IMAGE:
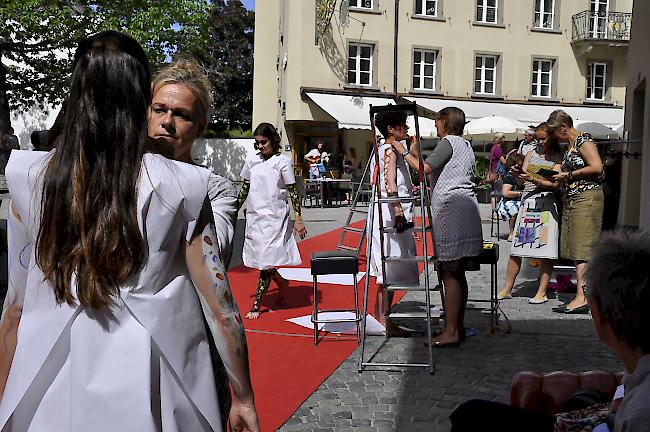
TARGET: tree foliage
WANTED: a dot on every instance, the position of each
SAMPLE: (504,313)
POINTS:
(228,59)
(39,36)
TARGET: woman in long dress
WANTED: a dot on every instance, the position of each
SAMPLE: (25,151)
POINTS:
(456,219)
(112,256)
(394,181)
(269,183)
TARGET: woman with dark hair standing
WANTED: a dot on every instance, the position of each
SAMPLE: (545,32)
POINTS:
(113,254)
(456,219)
(269,182)
(582,209)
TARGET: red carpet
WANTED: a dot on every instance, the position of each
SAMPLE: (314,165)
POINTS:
(287,369)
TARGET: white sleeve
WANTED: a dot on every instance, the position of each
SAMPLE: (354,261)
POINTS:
(246,170)
(286,170)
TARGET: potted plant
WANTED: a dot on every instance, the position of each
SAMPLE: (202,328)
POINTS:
(482,189)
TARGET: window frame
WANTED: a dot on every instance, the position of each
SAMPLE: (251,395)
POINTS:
(552,78)
(359,5)
(483,4)
(496,76)
(540,11)
(606,80)
(419,13)
(436,69)
(358,58)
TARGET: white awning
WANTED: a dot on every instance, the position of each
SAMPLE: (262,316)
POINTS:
(350,112)
(528,114)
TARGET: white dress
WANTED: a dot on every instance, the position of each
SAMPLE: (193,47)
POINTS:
(269,240)
(395,244)
(142,364)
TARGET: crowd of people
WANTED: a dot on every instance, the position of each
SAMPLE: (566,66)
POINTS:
(553,202)
(119,243)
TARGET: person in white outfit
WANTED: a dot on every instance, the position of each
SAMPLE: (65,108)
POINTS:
(114,268)
(269,183)
(394,181)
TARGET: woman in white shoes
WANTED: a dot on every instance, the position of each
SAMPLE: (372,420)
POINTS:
(531,239)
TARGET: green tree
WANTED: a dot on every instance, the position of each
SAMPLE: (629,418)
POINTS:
(228,59)
(39,36)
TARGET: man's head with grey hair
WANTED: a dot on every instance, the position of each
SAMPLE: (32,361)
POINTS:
(618,288)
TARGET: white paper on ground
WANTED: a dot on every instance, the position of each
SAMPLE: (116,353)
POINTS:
(304,275)
(373,327)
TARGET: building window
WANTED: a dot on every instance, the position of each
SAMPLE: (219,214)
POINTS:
(598,19)
(424,69)
(426,7)
(485,75)
(596,81)
(360,64)
(486,11)
(362,4)
(544,14)
(542,81)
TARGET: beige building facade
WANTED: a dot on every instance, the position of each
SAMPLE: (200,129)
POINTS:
(495,57)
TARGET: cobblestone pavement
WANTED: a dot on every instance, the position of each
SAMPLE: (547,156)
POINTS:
(414,400)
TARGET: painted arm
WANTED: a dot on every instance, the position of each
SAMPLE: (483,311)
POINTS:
(243,193)
(390,183)
(294,195)
(19,257)
(209,276)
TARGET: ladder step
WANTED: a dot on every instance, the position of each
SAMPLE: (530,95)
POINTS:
(354,230)
(346,247)
(418,258)
(389,230)
(398,199)
(358,210)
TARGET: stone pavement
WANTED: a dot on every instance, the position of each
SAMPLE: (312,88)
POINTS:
(413,400)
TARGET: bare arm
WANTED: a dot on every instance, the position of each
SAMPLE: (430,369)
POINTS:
(594,167)
(507,192)
(544,183)
(209,276)
(19,247)
(413,159)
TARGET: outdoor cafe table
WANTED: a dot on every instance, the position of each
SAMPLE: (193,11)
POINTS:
(324,184)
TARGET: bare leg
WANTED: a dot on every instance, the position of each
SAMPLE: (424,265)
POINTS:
(545,269)
(379,310)
(454,307)
(579,299)
(511,223)
(282,283)
(514,265)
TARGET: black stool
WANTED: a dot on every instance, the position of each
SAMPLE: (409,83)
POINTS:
(335,262)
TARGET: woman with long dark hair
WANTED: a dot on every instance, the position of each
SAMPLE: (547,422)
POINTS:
(269,183)
(113,255)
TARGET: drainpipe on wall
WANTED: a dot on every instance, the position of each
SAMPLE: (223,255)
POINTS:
(395,37)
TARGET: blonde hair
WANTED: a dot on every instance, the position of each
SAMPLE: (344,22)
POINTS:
(499,135)
(557,119)
(189,73)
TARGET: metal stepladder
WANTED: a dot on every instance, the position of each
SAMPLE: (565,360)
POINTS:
(348,229)
(375,211)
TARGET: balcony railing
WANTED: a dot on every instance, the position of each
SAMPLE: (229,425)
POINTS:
(612,26)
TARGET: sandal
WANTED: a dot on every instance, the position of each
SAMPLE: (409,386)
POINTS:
(254,310)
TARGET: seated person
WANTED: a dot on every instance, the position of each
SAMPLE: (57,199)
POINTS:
(512,191)
(315,158)
(618,281)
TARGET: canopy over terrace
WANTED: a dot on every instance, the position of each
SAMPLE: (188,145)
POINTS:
(353,111)
(529,114)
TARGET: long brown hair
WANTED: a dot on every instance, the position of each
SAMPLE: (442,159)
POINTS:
(89,228)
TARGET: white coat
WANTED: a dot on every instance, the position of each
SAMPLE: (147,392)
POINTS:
(269,240)
(142,364)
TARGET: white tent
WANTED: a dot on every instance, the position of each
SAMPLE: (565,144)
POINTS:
(596,130)
(484,128)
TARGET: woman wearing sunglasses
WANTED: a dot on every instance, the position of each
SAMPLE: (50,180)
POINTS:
(269,183)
